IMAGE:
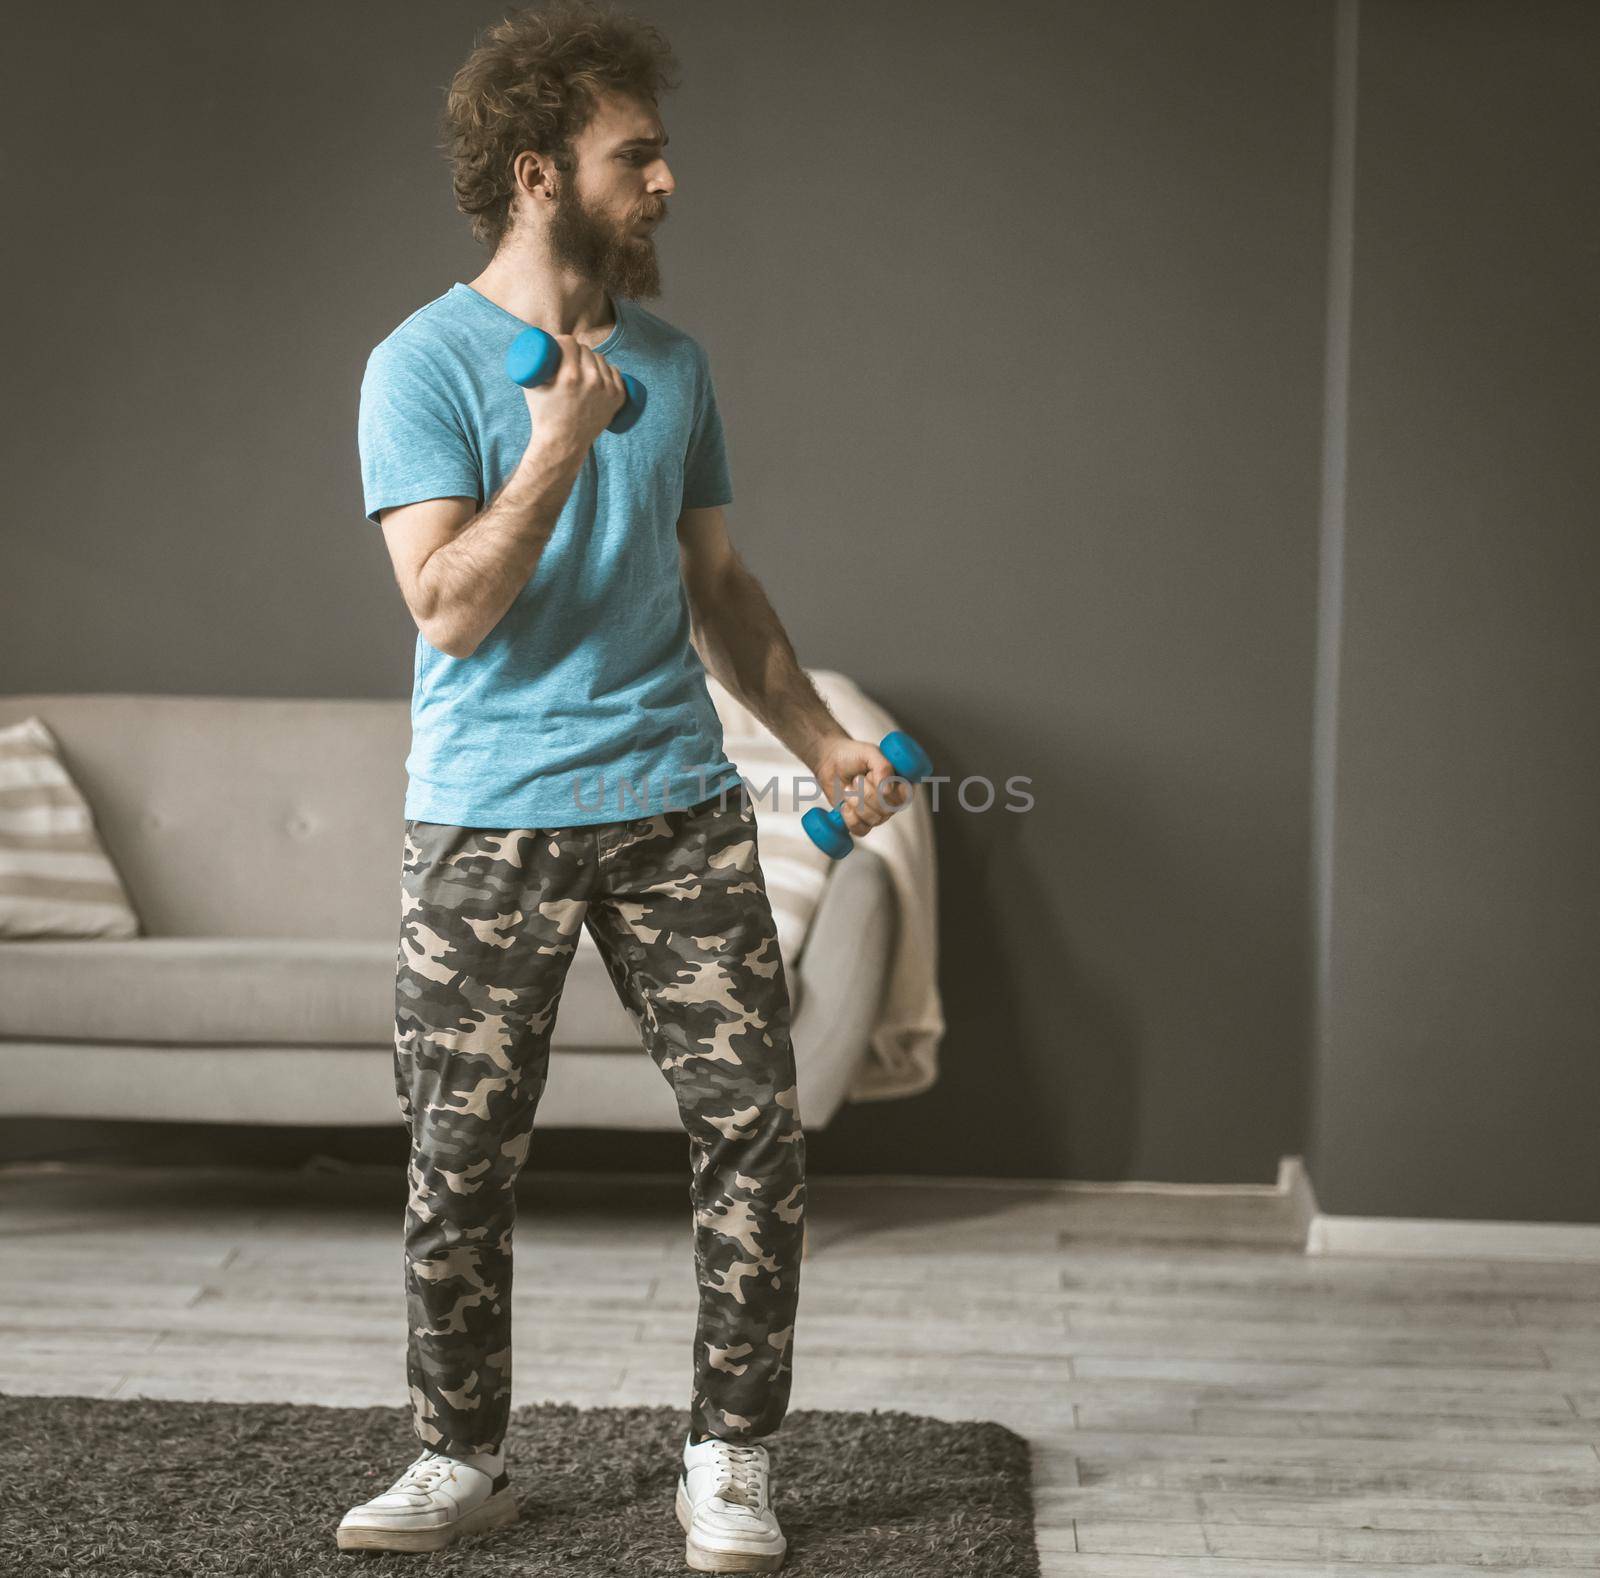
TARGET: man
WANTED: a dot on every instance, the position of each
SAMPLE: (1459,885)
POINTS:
(570,587)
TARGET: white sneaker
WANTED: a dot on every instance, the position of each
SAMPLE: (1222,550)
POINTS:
(436,1500)
(724,1503)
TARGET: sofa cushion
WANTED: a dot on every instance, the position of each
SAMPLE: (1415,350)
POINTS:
(56,879)
(281,991)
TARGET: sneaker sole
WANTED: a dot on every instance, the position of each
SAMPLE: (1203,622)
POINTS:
(499,1510)
(705,1560)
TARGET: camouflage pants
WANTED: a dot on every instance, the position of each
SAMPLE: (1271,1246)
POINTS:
(677,907)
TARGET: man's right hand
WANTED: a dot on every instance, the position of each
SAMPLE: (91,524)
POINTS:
(571,410)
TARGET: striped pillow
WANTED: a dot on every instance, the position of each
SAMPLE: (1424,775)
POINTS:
(56,879)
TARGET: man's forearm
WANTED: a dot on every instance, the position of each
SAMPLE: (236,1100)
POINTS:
(742,642)
(474,578)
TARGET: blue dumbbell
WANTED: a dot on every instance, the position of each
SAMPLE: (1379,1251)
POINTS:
(826,828)
(534,356)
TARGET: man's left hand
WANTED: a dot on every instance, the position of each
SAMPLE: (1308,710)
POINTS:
(851,774)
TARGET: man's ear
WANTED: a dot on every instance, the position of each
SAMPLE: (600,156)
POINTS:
(534,175)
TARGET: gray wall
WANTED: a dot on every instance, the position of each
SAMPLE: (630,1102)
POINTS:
(1458,1074)
(1018,317)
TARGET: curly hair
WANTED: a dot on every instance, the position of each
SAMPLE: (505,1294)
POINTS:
(533,82)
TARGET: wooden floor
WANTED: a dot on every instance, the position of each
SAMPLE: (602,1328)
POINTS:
(1201,1398)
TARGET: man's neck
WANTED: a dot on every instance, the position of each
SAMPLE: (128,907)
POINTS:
(557,303)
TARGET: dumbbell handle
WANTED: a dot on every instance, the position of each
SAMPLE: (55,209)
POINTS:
(533,358)
(826,828)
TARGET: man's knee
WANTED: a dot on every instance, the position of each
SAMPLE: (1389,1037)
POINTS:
(757,1122)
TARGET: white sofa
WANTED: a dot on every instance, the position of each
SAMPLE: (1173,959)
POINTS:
(260,844)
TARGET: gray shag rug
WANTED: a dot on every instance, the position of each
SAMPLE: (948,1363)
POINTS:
(141,1487)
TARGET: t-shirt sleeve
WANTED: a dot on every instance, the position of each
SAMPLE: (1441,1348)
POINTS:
(411,442)
(706,479)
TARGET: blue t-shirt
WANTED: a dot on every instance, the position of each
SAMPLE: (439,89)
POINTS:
(586,703)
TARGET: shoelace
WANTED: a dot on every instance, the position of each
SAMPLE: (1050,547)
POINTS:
(738,1472)
(425,1474)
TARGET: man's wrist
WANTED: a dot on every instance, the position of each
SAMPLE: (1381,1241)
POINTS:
(545,464)
(816,742)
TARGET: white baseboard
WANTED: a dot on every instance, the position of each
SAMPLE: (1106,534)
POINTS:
(1289,1214)
(1446,1238)
(1437,1238)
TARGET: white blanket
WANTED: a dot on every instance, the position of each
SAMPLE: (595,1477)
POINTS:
(905,1040)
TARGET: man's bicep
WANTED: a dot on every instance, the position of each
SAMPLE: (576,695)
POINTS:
(413,445)
(707,479)
(413,533)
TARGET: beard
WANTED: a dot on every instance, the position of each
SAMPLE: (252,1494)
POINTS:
(618,257)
